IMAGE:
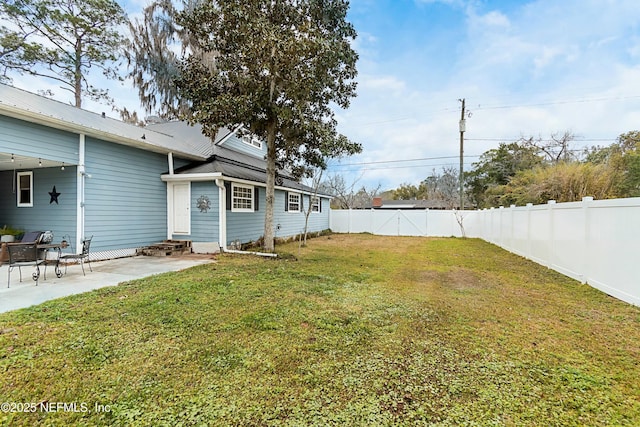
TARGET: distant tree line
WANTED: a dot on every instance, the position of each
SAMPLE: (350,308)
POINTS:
(529,171)
(516,173)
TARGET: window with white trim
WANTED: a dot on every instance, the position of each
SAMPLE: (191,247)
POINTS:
(242,198)
(252,140)
(25,189)
(293,202)
(315,204)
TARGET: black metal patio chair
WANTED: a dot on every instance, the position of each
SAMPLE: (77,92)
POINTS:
(81,257)
(24,255)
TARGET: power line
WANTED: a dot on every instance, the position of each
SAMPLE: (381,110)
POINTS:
(400,167)
(399,161)
(498,107)
(544,140)
(574,101)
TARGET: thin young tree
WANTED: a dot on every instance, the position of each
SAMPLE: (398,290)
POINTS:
(316,179)
(63,40)
(280,66)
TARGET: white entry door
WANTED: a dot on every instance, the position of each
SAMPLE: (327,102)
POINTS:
(181,208)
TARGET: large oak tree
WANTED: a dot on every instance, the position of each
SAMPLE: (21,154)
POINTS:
(280,66)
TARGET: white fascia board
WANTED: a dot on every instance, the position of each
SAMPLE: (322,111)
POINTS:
(229,135)
(192,177)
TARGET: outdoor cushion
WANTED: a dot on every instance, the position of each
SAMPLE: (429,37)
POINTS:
(31,237)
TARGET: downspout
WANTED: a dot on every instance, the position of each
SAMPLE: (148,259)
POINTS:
(170,160)
(80,184)
(222,220)
(265,254)
(169,187)
(222,214)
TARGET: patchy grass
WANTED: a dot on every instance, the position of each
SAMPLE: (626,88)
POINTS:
(360,330)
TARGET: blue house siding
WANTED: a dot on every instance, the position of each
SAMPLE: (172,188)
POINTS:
(125,199)
(235,143)
(292,223)
(44,215)
(204,225)
(249,226)
(29,139)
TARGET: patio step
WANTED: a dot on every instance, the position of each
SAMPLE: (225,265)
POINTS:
(167,248)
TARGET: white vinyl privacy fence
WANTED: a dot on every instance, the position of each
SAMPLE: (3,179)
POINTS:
(395,222)
(595,242)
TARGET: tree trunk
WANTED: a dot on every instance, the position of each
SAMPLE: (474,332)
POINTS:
(271,184)
(77,83)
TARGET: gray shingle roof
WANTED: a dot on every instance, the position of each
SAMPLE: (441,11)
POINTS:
(234,164)
(230,163)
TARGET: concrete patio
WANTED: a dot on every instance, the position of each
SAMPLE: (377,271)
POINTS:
(105,273)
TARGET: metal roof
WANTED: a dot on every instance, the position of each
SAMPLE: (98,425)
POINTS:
(34,108)
(191,135)
(175,137)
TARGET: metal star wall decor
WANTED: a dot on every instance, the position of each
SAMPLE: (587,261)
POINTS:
(54,195)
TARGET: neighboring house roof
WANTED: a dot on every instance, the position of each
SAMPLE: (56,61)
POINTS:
(410,204)
(34,108)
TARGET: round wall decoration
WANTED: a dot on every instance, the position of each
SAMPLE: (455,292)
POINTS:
(204,204)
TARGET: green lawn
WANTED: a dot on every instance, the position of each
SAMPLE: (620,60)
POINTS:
(359,330)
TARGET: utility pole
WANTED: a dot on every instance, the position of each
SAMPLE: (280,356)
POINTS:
(462,130)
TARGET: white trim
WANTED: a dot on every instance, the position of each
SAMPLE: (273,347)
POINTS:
(169,188)
(251,140)
(80,184)
(170,161)
(311,204)
(251,188)
(222,214)
(299,202)
(229,135)
(191,177)
(172,228)
(29,204)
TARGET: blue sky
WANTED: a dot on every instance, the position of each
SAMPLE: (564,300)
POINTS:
(525,68)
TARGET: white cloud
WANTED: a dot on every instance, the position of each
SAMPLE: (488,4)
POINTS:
(552,66)
(491,21)
(382,84)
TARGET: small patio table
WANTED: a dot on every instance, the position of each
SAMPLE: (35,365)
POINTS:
(50,247)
